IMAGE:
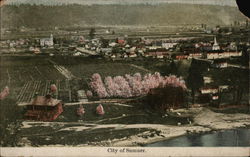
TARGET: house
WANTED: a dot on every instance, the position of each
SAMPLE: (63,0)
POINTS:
(223,87)
(81,95)
(168,45)
(190,49)
(127,46)
(195,55)
(206,47)
(77,53)
(209,90)
(220,63)
(36,50)
(47,41)
(157,54)
(212,55)
(106,50)
(132,50)
(153,47)
(132,55)
(215,97)
(207,80)
(113,44)
(234,54)
(43,108)
(181,57)
(121,41)
(220,54)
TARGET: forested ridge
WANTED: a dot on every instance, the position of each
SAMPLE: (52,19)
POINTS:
(35,16)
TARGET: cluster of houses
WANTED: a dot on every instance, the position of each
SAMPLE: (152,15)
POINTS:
(209,51)
(155,48)
(26,45)
(212,92)
(124,47)
(13,46)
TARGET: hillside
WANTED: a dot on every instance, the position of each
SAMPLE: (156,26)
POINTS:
(141,14)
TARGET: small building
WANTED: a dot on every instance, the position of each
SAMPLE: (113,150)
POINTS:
(207,80)
(215,97)
(221,54)
(81,96)
(36,50)
(43,108)
(132,55)
(213,55)
(77,54)
(168,45)
(209,90)
(121,41)
(224,88)
(220,65)
(181,57)
(47,41)
(157,54)
(195,55)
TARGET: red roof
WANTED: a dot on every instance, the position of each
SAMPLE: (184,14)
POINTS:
(43,101)
(182,57)
(120,41)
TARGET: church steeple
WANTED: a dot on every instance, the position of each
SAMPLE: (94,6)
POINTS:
(215,41)
(51,40)
(215,45)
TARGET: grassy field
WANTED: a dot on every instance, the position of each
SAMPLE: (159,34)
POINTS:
(35,74)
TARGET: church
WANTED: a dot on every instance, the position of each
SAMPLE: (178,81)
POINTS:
(47,41)
(215,45)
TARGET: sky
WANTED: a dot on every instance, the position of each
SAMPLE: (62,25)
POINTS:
(91,2)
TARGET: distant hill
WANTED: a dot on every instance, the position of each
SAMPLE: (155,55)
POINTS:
(40,16)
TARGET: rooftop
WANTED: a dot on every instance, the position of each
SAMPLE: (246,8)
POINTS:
(43,101)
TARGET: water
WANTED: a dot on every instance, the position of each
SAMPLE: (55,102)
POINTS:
(227,138)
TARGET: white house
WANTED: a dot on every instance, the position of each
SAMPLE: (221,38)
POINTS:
(168,45)
(209,90)
(77,53)
(207,79)
(47,41)
(216,55)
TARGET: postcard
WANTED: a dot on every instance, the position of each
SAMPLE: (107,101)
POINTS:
(124,78)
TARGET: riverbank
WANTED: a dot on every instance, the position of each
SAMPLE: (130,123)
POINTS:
(204,120)
(127,130)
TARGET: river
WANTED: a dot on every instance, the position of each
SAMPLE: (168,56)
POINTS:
(225,138)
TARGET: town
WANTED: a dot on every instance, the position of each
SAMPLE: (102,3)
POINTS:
(200,46)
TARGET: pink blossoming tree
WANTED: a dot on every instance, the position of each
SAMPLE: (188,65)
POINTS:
(132,86)
(97,86)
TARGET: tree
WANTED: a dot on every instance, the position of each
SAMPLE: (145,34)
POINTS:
(92,33)
(135,83)
(195,79)
(104,42)
(123,87)
(166,97)
(173,68)
(132,86)
(97,86)
(89,93)
(237,79)
(100,110)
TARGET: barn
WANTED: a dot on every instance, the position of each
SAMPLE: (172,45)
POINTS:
(43,108)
